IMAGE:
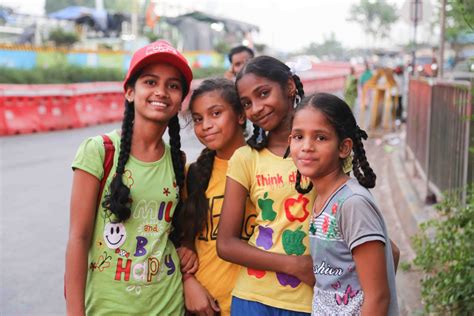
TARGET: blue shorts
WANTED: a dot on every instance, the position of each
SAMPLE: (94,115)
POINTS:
(242,307)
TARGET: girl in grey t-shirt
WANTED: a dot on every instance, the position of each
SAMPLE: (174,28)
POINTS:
(350,248)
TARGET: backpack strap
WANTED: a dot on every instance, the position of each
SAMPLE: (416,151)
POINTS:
(108,163)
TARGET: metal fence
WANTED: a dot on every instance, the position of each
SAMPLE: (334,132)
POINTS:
(440,133)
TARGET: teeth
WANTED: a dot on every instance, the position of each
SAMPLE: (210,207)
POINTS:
(158,104)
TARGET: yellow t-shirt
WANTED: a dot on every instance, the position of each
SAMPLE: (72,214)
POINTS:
(281,226)
(216,275)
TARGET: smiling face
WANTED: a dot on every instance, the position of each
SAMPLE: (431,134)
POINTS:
(315,146)
(114,235)
(157,93)
(216,124)
(265,102)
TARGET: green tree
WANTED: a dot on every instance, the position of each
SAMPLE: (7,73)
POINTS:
(330,48)
(375,16)
(110,5)
(63,38)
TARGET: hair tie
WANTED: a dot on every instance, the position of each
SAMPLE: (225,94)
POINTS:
(361,133)
(299,65)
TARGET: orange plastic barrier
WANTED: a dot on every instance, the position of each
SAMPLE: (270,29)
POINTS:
(40,108)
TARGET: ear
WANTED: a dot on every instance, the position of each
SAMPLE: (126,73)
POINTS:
(291,87)
(130,94)
(242,118)
(345,148)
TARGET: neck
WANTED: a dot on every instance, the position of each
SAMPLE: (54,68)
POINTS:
(327,184)
(147,137)
(227,151)
(278,138)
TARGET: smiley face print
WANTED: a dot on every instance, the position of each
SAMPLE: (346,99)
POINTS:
(114,235)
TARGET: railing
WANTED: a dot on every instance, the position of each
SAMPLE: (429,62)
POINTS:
(440,134)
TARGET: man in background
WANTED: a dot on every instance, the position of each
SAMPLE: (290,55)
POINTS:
(238,56)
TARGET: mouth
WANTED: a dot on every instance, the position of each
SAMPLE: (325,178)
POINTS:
(263,118)
(306,160)
(158,104)
(113,244)
(209,137)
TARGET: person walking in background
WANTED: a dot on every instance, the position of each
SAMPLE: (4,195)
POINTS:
(352,255)
(366,75)
(350,88)
(219,123)
(119,258)
(238,56)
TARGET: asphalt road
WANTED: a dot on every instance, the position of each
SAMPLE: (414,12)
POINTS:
(35,177)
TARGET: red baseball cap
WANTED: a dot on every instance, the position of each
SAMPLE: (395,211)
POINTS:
(159,52)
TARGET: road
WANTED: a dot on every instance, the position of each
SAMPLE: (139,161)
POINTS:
(35,178)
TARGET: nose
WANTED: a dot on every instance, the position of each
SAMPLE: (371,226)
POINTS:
(160,90)
(307,145)
(206,124)
(256,109)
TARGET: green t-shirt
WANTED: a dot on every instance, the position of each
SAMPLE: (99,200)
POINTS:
(133,267)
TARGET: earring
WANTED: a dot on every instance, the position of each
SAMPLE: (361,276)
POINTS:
(296,100)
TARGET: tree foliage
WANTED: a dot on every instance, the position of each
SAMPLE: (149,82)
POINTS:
(63,38)
(459,18)
(330,48)
(375,17)
(445,253)
(110,5)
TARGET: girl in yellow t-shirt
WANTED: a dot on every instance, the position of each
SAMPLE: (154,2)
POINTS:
(219,124)
(277,276)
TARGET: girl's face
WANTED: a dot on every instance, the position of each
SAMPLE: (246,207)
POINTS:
(216,124)
(315,146)
(264,101)
(157,93)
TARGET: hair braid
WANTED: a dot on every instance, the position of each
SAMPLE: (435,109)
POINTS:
(196,208)
(258,140)
(298,184)
(299,85)
(117,200)
(367,177)
(176,154)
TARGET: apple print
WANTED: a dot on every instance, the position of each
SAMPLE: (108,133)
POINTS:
(293,241)
(286,279)
(257,273)
(290,203)
(264,238)
(266,205)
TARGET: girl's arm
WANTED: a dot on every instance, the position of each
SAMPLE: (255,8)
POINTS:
(371,268)
(395,254)
(85,188)
(231,248)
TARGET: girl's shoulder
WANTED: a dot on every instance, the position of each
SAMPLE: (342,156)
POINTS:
(244,153)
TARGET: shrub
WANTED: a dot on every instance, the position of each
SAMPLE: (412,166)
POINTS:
(63,38)
(445,253)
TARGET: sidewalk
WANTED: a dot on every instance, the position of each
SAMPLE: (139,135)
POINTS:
(400,196)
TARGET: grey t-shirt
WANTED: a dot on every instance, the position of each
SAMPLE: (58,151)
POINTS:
(349,218)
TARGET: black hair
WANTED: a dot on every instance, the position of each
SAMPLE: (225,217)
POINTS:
(117,201)
(195,210)
(240,49)
(340,116)
(276,71)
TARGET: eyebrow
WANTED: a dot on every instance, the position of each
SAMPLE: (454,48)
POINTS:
(157,76)
(212,107)
(312,131)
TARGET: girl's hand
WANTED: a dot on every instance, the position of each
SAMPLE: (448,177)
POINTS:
(303,269)
(188,260)
(197,299)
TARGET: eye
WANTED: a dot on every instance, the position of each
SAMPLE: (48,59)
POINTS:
(174,86)
(264,93)
(197,119)
(320,138)
(111,230)
(246,104)
(297,136)
(150,82)
(216,113)
(117,229)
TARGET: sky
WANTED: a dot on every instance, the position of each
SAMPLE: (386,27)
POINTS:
(288,25)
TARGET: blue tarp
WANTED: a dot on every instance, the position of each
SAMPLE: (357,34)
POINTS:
(75,13)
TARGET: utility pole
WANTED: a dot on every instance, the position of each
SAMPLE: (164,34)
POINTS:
(441,40)
(415,10)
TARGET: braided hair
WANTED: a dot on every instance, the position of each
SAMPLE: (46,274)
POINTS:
(274,70)
(340,116)
(117,201)
(195,210)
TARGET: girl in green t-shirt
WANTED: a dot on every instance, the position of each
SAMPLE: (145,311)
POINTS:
(119,258)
